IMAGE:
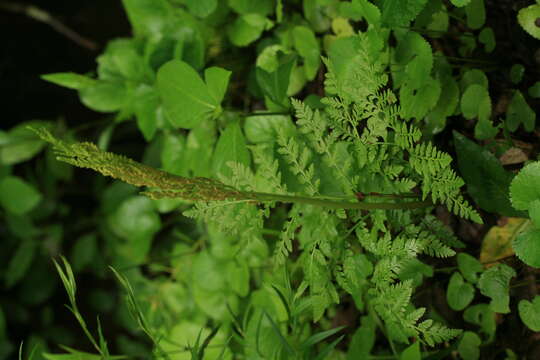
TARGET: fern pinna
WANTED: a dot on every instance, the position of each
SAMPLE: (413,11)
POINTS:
(356,144)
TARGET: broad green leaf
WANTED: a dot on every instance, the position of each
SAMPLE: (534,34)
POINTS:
(534,212)
(416,103)
(411,353)
(104,96)
(244,7)
(527,18)
(487,181)
(469,346)
(173,154)
(460,3)
(469,266)
(487,37)
(476,14)
(534,91)
(238,277)
(217,80)
(208,274)
(264,129)
(147,17)
(70,80)
(446,105)
(529,312)
(471,100)
(122,61)
(199,149)
(460,293)
(497,244)
(17,196)
(519,112)
(415,54)
(20,144)
(186,99)
(201,8)
(527,247)
(473,76)
(516,73)
(307,46)
(83,252)
(483,316)
(275,84)
(231,146)
(396,14)
(524,188)
(494,283)
(20,262)
(146,107)
(363,339)
(247,28)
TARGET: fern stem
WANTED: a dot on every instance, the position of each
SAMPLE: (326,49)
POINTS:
(339,204)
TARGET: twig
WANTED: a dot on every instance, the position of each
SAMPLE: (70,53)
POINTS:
(44,17)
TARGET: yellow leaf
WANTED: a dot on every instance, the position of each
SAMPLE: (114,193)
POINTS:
(497,243)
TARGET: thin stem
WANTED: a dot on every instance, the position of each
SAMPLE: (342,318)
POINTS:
(41,15)
(340,204)
(265,113)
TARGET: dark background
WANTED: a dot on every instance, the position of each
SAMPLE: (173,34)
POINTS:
(29,48)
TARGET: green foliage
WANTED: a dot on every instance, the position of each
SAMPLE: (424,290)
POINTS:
(529,312)
(527,19)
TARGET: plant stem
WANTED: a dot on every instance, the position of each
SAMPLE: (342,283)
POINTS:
(340,204)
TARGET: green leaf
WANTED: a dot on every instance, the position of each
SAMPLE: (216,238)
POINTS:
(247,28)
(217,80)
(147,17)
(146,107)
(415,54)
(20,262)
(483,316)
(469,346)
(208,273)
(519,112)
(534,212)
(201,8)
(487,181)
(516,73)
(476,14)
(411,353)
(70,80)
(173,154)
(199,149)
(186,99)
(104,96)
(17,196)
(446,105)
(363,339)
(231,146)
(307,46)
(415,103)
(238,277)
(469,266)
(527,19)
(83,252)
(474,76)
(534,91)
(20,144)
(524,188)
(400,13)
(527,247)
(460,3)
(471,99)
(264,129)
(460,293)
(261,7)
(487,37)
(529,312)
(494,283)
(275,84)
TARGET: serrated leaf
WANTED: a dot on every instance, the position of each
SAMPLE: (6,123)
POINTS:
(460,293)
(201,8)
(400,13)
(187,100)
(487,181)
(527,19)
(524,187)
(527,247)
(529,312)
(494,283)
(18,196)
(231,146)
